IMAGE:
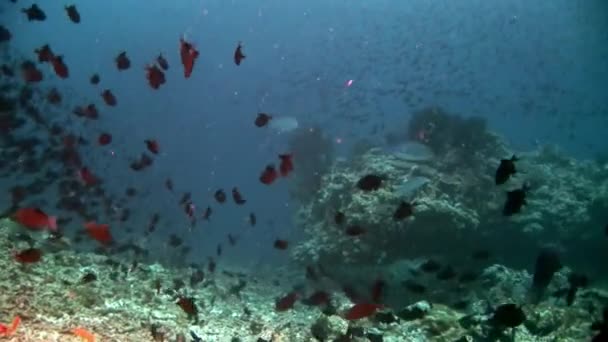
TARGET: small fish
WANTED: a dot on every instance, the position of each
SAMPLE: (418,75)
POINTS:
(169,184)
(430,266)
(467,277)
(606,230)
(7,71)
(405,210)
(318,298)
(281,244)
(28,256)
(6,330)
(30,73)
(188,55)
(5,34)
(195,337)
(155,76)
(238,54)
(218,250)
(414,286)
(187,304)
(99,232)
(61,69)
(285,303)
(252,219)
(162,62)
(286,166)
(505,170)
(220,196)
(89,277)
(54,96)
(86,176)
(508,316)
(34,218)
(104,139)
(339,218)
(237,197)
(152,146)
(122,61)
(354,230)
(109,98)
(94,79)
(516,199)
(262,119)
(361,310)
(370,182)
(269,175)
(34,13)
(73,13)
(547,263)
(207,214)
(45,54)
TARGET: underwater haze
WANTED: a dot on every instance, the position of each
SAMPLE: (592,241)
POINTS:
(421,170)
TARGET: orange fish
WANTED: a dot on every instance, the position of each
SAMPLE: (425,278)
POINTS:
(28,256)
(361,310)
(286,165)
(34,218)
(6,330)
(108,97)
(59,66)
(84,334)
(99,232)
(188,56)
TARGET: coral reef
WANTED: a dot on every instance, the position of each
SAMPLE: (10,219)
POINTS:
(457,203)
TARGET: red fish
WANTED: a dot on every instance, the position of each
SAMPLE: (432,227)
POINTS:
(28,256)
(286,165)
(269,175)
(155,76)
(262,119)
(188,56)
(238,54)
(122,61)
(287,302)
(237,197)
(5,330)
(318,298)
(281,244)
(44,54)
(99,232)
(87,176)
(54,96)
(361,310)
(104,139)
(30,73)
(152,146)
(61,69)
(34,218)
(108,97)
(162,62)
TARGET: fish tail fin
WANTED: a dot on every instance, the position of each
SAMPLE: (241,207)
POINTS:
(52,223)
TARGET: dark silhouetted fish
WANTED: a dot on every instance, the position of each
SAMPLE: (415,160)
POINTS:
(516,199)
(505,170)
(508,316)
(370,182)
(547,263)
(34,13)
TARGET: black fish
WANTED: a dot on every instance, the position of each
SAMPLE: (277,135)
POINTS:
(606,230)
(430,266)
(73,13)
(601,327)
(446,273)
(238,54)
(508,316)
(414,286)
(547,263)
(220,196)
(339,218)
(5,34)
(34,13)
(88,278)
(576,282)
(195,337)
(370,182)
(162,62)
(480,255)
(505,170)
(252,219)
(516,199)
(405,210)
